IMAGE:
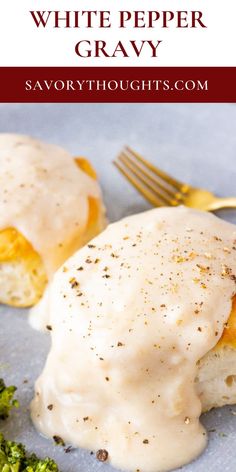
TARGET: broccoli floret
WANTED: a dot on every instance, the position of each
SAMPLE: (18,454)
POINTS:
(7,402)
(11,455)
(38,465)
(13,458)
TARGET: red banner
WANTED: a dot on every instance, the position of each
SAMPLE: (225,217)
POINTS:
(118,84)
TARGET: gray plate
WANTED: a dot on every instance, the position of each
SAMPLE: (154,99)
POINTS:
(196,143)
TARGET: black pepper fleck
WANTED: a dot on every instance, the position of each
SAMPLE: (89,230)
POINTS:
(68,449)
(102,455)
(58,440)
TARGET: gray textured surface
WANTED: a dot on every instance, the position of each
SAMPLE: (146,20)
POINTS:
(196,143)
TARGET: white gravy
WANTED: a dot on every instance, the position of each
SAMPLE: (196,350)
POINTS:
(131,314)
(44,195)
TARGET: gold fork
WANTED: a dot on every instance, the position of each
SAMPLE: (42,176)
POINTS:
(160,189)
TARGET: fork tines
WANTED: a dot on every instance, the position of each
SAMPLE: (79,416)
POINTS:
(155,185)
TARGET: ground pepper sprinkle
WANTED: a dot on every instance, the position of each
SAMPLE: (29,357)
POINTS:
(102,455)
(58,441)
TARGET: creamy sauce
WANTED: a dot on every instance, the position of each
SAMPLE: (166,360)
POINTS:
(131,314)
(44,195)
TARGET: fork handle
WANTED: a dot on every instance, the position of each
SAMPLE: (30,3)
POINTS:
(220,203)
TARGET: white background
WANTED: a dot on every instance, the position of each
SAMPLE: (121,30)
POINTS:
(22,44)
